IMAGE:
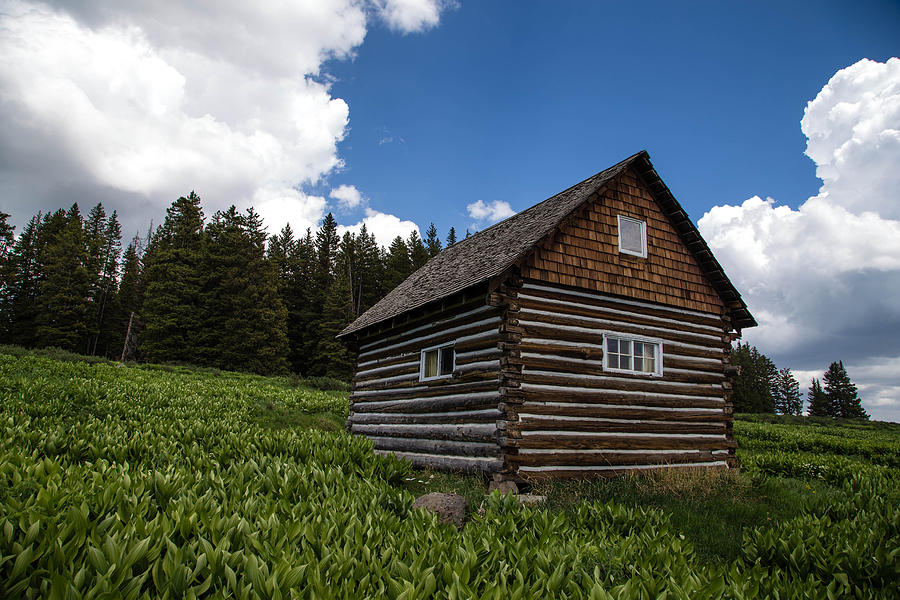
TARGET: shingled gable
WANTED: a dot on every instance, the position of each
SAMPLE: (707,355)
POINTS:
(491,252)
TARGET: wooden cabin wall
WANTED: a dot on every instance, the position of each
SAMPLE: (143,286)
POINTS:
(574,419)
(444,423)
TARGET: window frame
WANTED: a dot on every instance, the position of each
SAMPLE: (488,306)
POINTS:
(628,337)
(439,348)
(643,224)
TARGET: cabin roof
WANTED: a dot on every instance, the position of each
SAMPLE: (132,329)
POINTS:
(492,251)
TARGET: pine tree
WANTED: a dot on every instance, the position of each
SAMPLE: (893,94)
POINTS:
(369,284)
(418,254)
(21,286)
(104,296)
(125,322)
(7,241)
(333,357)
(173,281)
(451,237)
(841,393)
(298,299)
(753,387)
(819,404)
(64,289)
(786,394)
(244,320)
(432,241)
(7,238)
(397,264)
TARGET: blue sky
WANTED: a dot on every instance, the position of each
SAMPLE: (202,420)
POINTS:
(775,124)
(517,101)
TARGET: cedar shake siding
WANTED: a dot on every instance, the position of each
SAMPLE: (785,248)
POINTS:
(555,345)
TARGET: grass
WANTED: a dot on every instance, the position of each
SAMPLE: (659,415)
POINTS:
(274,416)
(709,508)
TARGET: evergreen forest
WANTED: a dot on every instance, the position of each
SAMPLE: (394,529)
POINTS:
(214,292)
(222,293)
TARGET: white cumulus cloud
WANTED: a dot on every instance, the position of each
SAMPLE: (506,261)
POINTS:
(348,197)
(823,280)
(385,227)
(488,213)
(137,103)
(408,16)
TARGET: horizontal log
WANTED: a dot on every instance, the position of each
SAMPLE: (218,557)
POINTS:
(438,403)
(623,412)
(612,458)
(665,333)
(637,306)
(440,322)
(489,338)
(449,463)
(491,352)
(437,338)
(437,447)
(574,351)
(613,382)
(565,366)
(424,391)
(534,393)
(617,315)
(574,472)
(677,361)
(600,426)
(490,415)
(401,368)
(446,308)
(463,432)
(587,442)
(409,377)
(390,360)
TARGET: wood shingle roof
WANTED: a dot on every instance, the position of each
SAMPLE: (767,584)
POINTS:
(490,252)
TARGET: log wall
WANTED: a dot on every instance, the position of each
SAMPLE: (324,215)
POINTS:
(447,423)
(572,418)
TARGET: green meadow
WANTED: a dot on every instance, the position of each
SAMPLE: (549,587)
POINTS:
(171,482)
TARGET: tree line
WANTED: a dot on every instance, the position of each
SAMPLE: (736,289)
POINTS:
(215,292)
(761,387)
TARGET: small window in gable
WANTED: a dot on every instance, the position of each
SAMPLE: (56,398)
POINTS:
(437,362)
(630,355)
(632,236)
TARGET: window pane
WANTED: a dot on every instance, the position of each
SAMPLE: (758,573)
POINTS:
(649,350)
(638,363)
(431,363)
(638,349)
(624,346)
(612,344)
(613,361)
(630,236)
(649,365)
(625,362)
(446,361)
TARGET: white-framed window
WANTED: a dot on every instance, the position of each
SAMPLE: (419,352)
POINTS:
(629,354)
(437,362)
(632,236)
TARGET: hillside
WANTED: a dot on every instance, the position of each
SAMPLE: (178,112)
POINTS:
(160,481)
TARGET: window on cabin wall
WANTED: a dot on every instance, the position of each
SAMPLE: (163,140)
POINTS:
(632,236)
(632,355)
(437,362)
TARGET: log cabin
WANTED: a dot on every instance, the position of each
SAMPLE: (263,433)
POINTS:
(587,335)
